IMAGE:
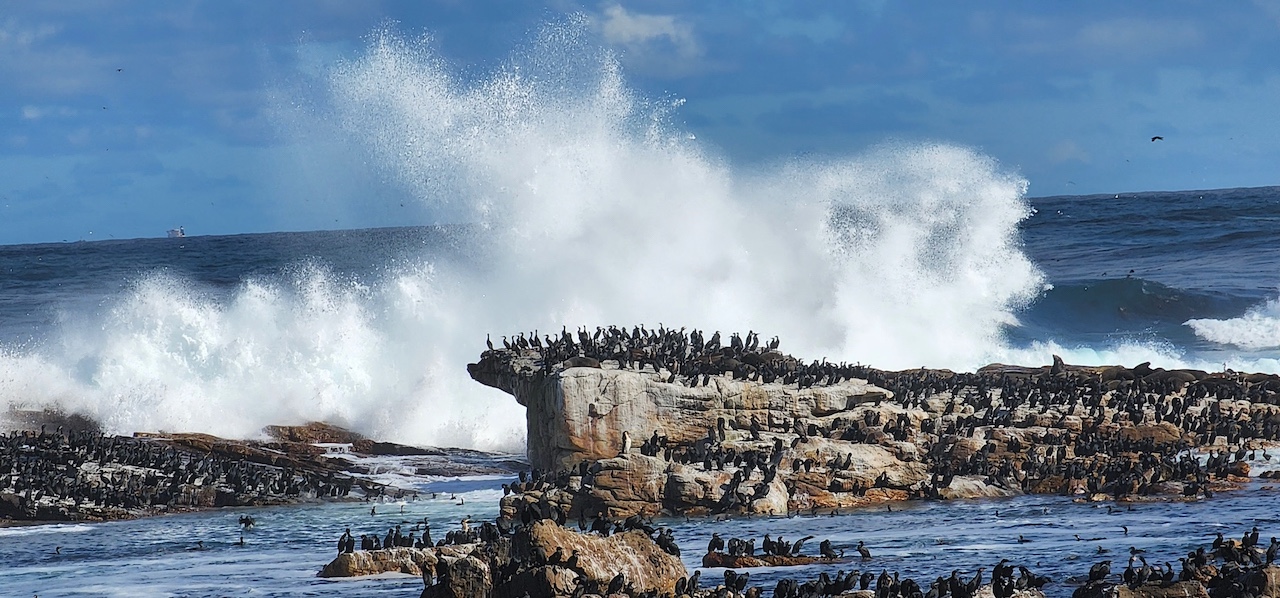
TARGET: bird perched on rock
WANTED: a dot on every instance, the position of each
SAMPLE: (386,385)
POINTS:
(1100,571)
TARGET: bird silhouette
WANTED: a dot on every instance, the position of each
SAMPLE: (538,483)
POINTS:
(1157,138)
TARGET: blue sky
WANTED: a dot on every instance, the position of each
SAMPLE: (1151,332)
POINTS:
(123,119)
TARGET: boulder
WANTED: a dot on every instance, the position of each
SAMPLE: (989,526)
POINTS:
(411,561)
(975,487)
(722,559)
(466,577)
(632,553)
(311,433)
(540,581)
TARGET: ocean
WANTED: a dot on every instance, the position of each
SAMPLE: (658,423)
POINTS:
(159,557)
(373,328)
(589,205)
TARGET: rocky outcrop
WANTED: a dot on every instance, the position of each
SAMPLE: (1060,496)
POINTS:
(730,561)
(633,554)
(462,577)
(311,433)
(754,431)
(411,561)
(119,477)
(542,559)
(580,414)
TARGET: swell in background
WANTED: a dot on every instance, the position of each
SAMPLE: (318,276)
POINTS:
(592,209)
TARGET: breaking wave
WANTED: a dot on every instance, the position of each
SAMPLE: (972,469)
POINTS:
(593,208)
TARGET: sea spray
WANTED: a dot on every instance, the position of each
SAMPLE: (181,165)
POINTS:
(603,212)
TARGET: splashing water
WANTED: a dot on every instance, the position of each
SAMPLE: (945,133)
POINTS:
(594,209)
(1259,328)
(600,212)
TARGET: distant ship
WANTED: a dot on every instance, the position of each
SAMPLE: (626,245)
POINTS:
(176,233)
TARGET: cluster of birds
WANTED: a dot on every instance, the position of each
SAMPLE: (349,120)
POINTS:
(396,538)
(689,358)
(778,547)
(1004,584)
(89,470)
(1237,576)
(944,412)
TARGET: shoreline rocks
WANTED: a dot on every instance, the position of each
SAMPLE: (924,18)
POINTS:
(540,559)
(76,473)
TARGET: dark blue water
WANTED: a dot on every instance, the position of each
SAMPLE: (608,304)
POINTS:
(1138,266)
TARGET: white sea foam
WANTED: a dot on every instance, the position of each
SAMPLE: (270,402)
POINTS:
(10,532)
(594,209)
(1259,328)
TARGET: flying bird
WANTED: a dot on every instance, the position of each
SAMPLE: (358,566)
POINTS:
(1157,138)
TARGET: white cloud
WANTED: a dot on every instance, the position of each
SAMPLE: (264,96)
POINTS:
(655,42)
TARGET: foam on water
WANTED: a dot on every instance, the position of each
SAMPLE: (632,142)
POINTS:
(1259,328)
(593,209)
(9,532)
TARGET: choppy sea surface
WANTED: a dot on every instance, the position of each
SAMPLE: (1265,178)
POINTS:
(281,555)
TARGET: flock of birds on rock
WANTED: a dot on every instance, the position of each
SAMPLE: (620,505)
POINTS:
(942,414)
(1004,584)
(689,358)
(1239,574)
(86,469)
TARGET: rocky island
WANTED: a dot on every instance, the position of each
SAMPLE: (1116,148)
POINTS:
(659,421)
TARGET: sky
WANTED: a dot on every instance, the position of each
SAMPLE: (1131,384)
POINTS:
(125,119)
